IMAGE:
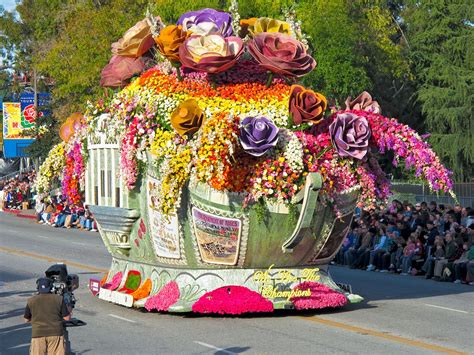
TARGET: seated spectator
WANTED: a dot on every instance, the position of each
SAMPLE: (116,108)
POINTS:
(39,209)
(470,266)
(381,246)
(460,265)
(348,242)
(359,256)
(46,215)
(449,256)
(436,253)
(409,251)
(63,213)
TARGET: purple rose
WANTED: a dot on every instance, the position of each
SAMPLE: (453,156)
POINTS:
(350,135)
(258,135)
(206,21)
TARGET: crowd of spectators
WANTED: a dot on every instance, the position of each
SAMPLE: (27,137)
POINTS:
(432,240)
(17,194)
(57,212)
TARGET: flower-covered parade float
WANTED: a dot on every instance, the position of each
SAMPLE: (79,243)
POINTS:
(218,182)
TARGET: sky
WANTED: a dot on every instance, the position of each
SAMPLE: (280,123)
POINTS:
(8,5)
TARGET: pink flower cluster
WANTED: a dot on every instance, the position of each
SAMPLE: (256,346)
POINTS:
(140,120)
(232,300)
(389,134)
(164,299)
(321,297)
(115,283)
(74,174)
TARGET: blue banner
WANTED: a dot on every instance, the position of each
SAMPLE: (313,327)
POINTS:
(14,148)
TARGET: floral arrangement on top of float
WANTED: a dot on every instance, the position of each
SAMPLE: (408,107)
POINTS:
(224,108)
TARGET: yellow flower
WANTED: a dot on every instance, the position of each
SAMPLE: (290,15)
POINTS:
(265,24)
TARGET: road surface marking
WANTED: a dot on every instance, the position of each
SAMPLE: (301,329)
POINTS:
(52,260)
(446,308)
(213,347)
(42,236)
(383,335)
(122,318)
(15,330)
(79,243)
(19,346)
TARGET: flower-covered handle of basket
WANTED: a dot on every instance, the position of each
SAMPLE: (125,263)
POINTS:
(310,200)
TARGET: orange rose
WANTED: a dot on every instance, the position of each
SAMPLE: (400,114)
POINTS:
(187,118)
(169,40)
(306,105)
(244,26)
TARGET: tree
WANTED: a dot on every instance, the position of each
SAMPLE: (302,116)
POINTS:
(441,49)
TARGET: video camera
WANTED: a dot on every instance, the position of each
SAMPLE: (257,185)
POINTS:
(63,283)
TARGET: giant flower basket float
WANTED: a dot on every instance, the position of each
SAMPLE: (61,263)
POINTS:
(219,184)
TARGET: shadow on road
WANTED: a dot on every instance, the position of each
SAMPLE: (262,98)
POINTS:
(374,286)
(25,294)
(13,313)
(15,340)
(233,350)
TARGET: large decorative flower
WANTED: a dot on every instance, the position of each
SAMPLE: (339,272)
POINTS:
(266,24)
(119,70)
(136,41)
(212,53)
(363,102)
(170,39)
(70,126)
(306,105)
(258,135)
(187,118)
(281,54)
(350,135)
(207,21)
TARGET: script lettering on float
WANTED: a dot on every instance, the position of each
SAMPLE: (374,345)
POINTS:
(269,283)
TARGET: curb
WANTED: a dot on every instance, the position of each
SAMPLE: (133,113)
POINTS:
(19,214)
(26,216)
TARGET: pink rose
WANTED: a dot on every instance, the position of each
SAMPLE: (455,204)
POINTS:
(281,54)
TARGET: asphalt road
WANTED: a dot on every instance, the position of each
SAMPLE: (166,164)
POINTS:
(399,315)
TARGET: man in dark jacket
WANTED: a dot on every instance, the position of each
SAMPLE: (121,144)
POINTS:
(449,255)
(46,312)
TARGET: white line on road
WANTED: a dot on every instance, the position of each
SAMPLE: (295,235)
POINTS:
(42,236)
(213,347)
(446,308)
(78,243)
(125,319)
(15,330)
(19,346)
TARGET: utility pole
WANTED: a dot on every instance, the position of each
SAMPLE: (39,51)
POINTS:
(35,93)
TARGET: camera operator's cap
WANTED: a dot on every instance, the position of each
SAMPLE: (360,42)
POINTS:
(44,285)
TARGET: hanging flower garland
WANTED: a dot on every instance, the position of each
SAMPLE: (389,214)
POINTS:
(51,169)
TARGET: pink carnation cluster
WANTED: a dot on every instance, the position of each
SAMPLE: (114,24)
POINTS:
(321,297)
(232,300)
(164,299)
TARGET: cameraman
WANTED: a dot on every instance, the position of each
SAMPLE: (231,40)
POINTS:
(46,312)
